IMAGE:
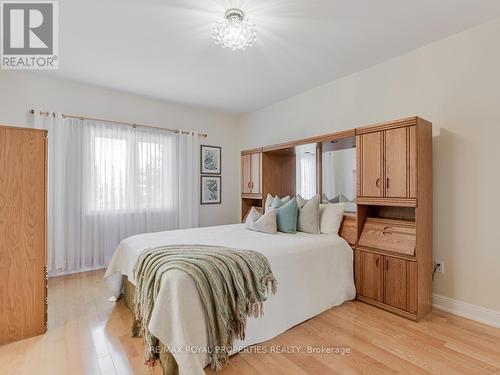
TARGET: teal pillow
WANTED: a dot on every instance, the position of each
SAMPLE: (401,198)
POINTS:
(277,203)
(286,215)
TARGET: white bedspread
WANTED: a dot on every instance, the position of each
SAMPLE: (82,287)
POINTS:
(314,273)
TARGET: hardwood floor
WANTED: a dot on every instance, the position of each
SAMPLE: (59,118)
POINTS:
(89,335)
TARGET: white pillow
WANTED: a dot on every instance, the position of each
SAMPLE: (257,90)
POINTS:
(300,201)
(269,202)
(252,216)
(270,199)
(266,223)
(330,217)
(308,218)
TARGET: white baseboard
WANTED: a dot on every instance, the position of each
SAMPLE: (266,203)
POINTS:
(467,310)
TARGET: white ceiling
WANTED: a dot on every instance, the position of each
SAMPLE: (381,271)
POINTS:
(163,48)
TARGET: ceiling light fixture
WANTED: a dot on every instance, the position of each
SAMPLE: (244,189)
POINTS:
(234,31)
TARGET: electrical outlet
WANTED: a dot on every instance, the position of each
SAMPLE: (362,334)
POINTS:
(440,266)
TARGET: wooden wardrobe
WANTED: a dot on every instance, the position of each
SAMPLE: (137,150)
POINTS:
(23,272)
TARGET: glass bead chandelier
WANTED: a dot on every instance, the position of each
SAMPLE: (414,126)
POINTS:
(234,31)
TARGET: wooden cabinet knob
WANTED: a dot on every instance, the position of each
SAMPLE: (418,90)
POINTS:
(386,231)
(377,262)
(377,183)
(387,183)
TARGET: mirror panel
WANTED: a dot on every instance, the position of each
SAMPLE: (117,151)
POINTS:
(306,169)
(339,172)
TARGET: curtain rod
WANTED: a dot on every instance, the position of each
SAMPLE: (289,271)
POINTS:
(32,111)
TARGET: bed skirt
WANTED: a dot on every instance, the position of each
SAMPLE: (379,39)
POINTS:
(167,360)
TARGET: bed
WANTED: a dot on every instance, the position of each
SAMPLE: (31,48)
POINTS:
(314,273)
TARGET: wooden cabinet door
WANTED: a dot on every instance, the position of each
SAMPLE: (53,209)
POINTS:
(370,173)
(255,174)
(412,287)
(246,174)
(396,163)
(395,283)
(22,234)
(358,270)
(372,277)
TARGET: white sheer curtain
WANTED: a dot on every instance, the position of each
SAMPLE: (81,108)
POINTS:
(108,182)
(306,174)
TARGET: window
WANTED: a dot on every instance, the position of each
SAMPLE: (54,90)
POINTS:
(130,171)
(150,170)
(110,173)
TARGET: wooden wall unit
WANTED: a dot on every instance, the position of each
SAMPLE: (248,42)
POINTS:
(23,273)
(395,222)
(266,172)
(391,232)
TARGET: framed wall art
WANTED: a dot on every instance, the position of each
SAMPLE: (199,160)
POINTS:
(211,160)
(211,189)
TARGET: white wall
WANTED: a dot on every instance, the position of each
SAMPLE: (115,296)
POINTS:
(20,91)
(455,83)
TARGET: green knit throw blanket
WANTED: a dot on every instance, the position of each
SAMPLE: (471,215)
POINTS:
(232,285)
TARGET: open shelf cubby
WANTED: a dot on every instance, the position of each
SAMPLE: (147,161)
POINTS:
(390,212)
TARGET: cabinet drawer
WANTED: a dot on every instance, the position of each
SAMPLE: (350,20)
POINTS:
(348,229)
(390,235)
